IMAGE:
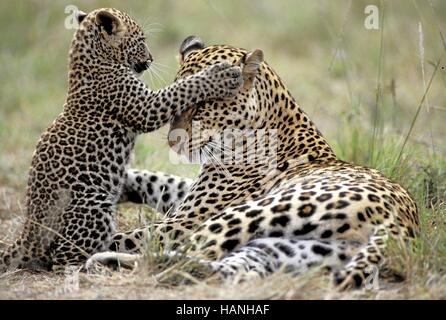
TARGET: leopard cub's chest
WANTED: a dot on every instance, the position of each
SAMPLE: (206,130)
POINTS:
(83,155)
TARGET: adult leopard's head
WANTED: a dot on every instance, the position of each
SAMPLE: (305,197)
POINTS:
(108,36)
(197,130)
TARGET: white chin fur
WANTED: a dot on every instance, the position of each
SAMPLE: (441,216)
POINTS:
(138,74)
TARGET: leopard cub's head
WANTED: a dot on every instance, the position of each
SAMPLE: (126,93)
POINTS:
(108,36)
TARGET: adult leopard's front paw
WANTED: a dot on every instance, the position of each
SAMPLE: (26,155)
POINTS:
(222,80)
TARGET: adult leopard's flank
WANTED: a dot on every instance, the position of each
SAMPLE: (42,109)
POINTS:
(292,209)
(79,165)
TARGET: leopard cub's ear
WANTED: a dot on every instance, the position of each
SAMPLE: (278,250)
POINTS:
(250,64)
(190,44)
(110,23)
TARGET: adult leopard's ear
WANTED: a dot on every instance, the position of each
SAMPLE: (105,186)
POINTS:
(80,16)
(250,64)
(111,24)
(190,44)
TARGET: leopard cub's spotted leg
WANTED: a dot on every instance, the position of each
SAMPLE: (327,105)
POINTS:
(159,190)
(85,229)
(261,257)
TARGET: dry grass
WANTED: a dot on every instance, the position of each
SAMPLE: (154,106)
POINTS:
(139,285)
(366,91)
(150,280)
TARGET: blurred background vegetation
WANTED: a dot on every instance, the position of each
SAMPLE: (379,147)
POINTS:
(362,87)
(369,91)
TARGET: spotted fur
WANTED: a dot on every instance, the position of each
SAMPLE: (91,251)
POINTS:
(79,165)
(159,190)
(240,214)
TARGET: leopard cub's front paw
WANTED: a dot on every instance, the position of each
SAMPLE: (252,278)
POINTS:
(223,80)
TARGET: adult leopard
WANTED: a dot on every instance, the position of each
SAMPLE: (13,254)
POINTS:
(292,208)
(79,165)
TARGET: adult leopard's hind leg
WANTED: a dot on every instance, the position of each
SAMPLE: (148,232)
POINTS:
(264,256)
(161,191)
(288,213)
(283,214)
